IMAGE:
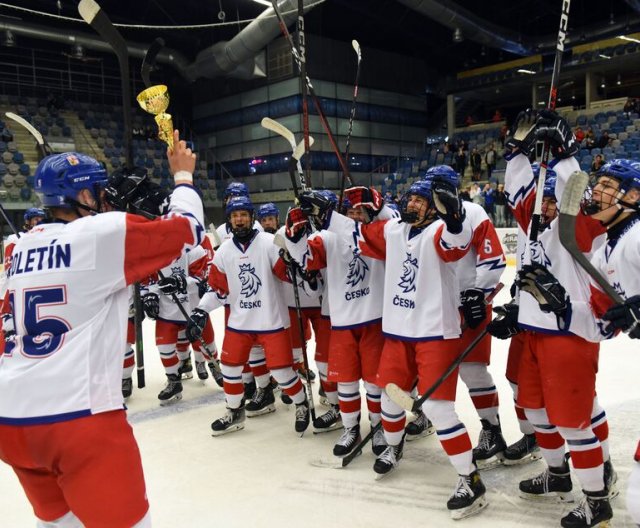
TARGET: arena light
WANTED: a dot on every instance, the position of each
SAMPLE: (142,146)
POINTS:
(528,72)
(629,39)
(603,56)
(263,2)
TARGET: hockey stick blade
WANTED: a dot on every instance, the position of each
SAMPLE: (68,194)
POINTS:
(569,210)
(356,48)
(300,148)
(32,130)
(214,235)
(280,129)
(149,61)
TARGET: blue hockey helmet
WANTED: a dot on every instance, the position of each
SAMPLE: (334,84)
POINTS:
(443,173)
(346,204)
(59,178)
(330,195)
(34,212)
(549,190)
(626,171)
(239,203)
(236,189)
(419,188)
(268,209)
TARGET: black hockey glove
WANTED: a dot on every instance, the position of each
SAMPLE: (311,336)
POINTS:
(151,305)
(473,307)
(173,284)
(448,205)
(505,325)
(540,282)
(203,287)
(626,316)
(123,187)
(556,131)
(196,324)
(522,135)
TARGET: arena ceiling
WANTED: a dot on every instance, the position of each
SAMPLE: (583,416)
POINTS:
(389,25)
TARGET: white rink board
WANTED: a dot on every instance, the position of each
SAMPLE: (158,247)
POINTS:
(261,478)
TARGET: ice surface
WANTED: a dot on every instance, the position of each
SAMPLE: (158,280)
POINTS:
(261,476)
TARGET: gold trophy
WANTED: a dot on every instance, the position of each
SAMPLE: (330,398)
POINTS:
(155,100)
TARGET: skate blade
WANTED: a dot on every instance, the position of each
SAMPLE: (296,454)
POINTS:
(324,402)
(171,401)
(186,375)
(528,458)
(334,427)
(613,492)
(230,429)
(381,476)
(490,463)
(267,410)
(427,432)
(553,497)
(330,463)
(478,505)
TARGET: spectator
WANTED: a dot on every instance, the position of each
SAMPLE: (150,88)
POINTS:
(490,160)
(475,161)
(500,206)
(503,133)
(579,135)
(460,161)
(598,162)
(630,106)
(497,116)
(465,194)
(476,195)
(468,120)
(603,141)
(488,193)
(590,139)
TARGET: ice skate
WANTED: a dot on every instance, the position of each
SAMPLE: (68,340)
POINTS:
(419,428)
(378,442)
(249,390)
(186,369)
(302,373)
(553,485)
(329,421)
(593,510)
(262,402)
(216,373)
(324,401)
(233,420)
(491,445)
(468,498)
(610,480)
(201,370)
(523,451)
(303,416)
(388,460)
(349,439)
(173,390)
(127,388)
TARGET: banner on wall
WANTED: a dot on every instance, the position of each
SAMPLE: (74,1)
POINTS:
(509,239)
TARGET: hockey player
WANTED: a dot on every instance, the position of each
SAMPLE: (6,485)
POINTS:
(562,336)
(420,320)
(354,287)
(63,428)
(614,201)
(268,216)
(478,274)
(245,268)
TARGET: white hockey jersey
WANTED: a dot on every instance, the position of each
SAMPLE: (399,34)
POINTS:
(68,290)
(249,274)
(520,187)
(421,289)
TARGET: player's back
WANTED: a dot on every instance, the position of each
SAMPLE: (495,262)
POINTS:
(67,286)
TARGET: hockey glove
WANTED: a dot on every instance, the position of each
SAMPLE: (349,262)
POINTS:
(367,197)
(195,324)
(296,224)
(203,287)
(312,203)
(540,282)
(522,135)
(473,307)
(151,305)
(173,284)
(448,205)
(556,131)
(626,316)
(505,325)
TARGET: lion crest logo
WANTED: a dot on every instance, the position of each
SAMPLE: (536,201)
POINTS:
(409,272)
(357,270)
(539,255)
(249,280)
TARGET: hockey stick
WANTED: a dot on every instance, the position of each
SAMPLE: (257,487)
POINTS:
(149,61)
(312,93)
(93,15)
(279,241)
(302,48)
(215,236)
(352,115)
(553,97)
(571,198)
(43,146)
(404,400)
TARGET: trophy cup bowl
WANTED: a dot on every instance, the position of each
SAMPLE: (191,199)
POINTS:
(155,100)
